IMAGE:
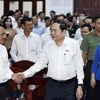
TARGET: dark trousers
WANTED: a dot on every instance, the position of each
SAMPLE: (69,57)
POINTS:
(97,90)
(60,90)
(90,91)
(7,89)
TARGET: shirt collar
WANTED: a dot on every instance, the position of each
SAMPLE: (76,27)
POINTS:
(30,35)
(40,20)
(93,32)
(36,26)
(65,42)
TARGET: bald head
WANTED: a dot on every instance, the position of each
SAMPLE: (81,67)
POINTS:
(2,35)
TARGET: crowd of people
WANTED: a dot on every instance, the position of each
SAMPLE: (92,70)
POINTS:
(67,44)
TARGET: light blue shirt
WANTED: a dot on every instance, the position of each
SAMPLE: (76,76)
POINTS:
(38,30)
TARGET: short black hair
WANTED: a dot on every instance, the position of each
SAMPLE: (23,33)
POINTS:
(83,12)
(17,10)
(96,17)
(63,25)
(11,13)
(88,17)
(87,25)
(40,13)
(25,19)
(52,11)
(75,16)
(46,18)
(34,15)
(70,18)
(68,14)
(62,15)
(26,12)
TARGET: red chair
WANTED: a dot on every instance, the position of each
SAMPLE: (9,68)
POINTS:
(29,94)
(37,79)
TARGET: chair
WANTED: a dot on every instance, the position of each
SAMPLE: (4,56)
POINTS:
(37,79)
(29,94)
(23,64)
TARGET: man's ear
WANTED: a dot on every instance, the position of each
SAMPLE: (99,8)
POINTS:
(23,26)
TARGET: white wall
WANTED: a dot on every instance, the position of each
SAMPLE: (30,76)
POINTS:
(1,7)
(60,6)
(39,6)
(14,5)
(27,6)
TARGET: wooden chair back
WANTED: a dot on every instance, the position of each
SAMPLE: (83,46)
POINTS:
(23,64)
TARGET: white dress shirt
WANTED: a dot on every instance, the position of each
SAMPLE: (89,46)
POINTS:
(26,48)
(5,72)
(19,30)
(46,37)
(14,23)
(80,41)
(78,34)
(65,62)
(41,23)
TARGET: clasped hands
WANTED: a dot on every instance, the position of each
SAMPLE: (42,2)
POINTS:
(18,77)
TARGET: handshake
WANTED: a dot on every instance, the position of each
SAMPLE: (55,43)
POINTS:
(18,77)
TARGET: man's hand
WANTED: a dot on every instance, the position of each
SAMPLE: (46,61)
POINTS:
(79,93)
(16,78)
(21,75)
(93,81)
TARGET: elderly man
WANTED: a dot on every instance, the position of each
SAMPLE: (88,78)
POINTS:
(65,67)
(5,72)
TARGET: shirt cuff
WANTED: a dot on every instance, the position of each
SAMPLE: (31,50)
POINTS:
(10,75)
(27,74)
(80,81)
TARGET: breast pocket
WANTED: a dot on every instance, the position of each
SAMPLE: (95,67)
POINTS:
(33,51)
(68,58)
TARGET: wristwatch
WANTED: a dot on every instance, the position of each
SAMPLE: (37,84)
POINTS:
(80,85)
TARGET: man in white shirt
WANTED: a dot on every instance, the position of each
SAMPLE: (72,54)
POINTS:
(46,37)
(5,72)
(19,28)
(37,28)
(27,45)
(65,65)
(85,29)
(41,20)
(86,20)
(13,15)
